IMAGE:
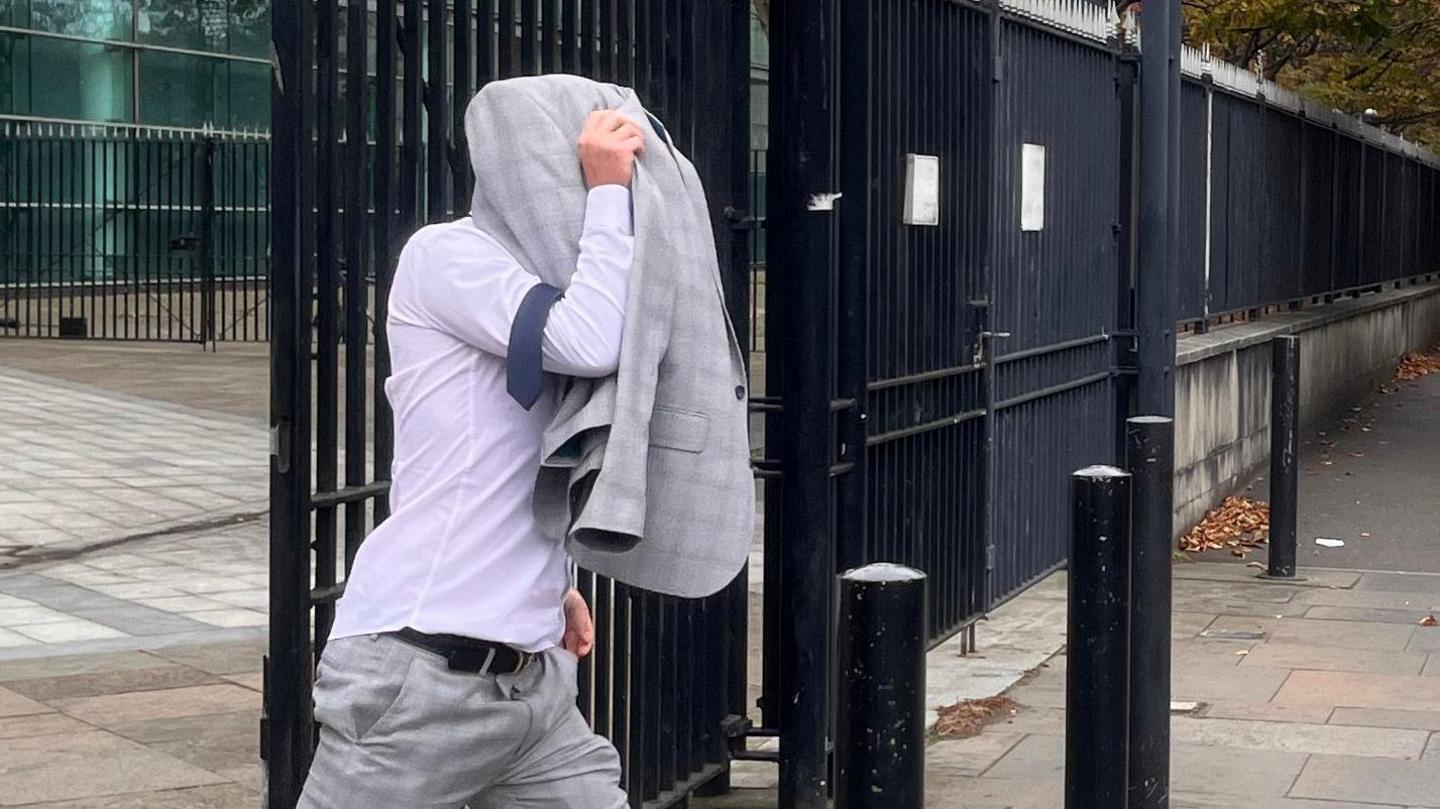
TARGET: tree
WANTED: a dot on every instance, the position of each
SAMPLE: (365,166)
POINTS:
(1351,54)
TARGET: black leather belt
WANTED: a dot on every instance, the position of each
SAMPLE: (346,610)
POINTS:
(469,655)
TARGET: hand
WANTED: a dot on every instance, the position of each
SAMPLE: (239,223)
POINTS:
(608,145)
(579,628)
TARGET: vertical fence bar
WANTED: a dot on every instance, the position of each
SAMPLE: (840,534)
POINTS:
(508,65)
(461,74)
(1150,458)
(412,167)
(357,176)
(326,303)
(853,253)
(529,30)
(383,427)
(800,209)
(437,115)
(288,711)
(1096,697)
(207,235)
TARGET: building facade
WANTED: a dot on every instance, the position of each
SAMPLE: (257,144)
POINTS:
(184,64)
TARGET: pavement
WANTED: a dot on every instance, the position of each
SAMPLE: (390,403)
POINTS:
(1363,481)
(130,647)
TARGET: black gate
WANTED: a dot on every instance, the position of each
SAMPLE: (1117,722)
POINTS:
(368,100)
(989,333)
(132,234)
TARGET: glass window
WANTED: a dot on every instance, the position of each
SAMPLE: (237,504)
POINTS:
(249,95)
(250,27)
(101,19)
(178,89)
(14,74)
(201,25)
(103,92)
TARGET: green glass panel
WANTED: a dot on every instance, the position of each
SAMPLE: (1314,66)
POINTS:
(249,95)
(178,89)
(250,27)
(200,25)
(101,19)
(103,91)
(14,74)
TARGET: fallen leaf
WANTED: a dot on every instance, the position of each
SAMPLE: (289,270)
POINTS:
(1238,552)
(1239,522)
(1357,455)
(965,719)
(1429,620)
(1417,365)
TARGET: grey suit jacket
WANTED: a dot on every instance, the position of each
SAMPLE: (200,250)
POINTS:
(645,473)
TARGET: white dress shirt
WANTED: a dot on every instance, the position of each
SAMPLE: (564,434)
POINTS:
(460,553)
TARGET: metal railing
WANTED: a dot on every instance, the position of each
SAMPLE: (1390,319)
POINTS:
(132,234)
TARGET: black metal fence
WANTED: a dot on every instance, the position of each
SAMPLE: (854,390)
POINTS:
(360,164)
(132,234)
(1284,201)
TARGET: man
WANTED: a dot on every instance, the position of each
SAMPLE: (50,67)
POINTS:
(449,678)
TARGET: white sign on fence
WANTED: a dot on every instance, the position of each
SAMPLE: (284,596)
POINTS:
(1032,187)
(922,190)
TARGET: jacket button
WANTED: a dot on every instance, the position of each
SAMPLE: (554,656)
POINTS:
(740,392)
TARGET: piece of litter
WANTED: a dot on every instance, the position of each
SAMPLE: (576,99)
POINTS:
(1364,533)
(1429,620)
(1179,706)
(1330,543)
(1242,653)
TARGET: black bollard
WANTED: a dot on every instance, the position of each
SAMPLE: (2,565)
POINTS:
(880,711)
(1150,450)
(1284,456)
(1097,685)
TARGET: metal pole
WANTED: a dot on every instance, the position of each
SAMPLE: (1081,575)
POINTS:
(1150,451)
(288,724)
(1284,455)
(880,707)
(207,237)
(1155,294)
(801,211)
(1096,694)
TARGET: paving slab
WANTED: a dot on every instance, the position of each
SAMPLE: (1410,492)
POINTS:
(1266,711)
(1407,616)
(15,704)
(1295,737)
(226,796)
(44,724)
(1355,690)
(1346,634)
(1397,582)
(74,686)
(971,756)
(1387,718)
(1352,778)
(229,658)
(82,766)
(1333,658)
(110,710)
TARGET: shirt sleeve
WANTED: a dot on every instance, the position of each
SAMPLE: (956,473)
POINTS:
(467,286)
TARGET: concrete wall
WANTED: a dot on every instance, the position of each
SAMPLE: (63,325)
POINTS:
(1222,385)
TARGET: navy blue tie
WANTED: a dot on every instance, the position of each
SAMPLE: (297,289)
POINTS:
(524,369)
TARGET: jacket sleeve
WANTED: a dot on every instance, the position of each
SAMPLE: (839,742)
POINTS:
(466,285)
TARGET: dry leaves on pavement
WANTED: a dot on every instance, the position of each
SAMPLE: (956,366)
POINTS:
(1429,620)
(1239,522)
(965,719)
(1417,365)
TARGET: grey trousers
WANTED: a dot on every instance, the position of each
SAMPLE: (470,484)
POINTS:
(399,729)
